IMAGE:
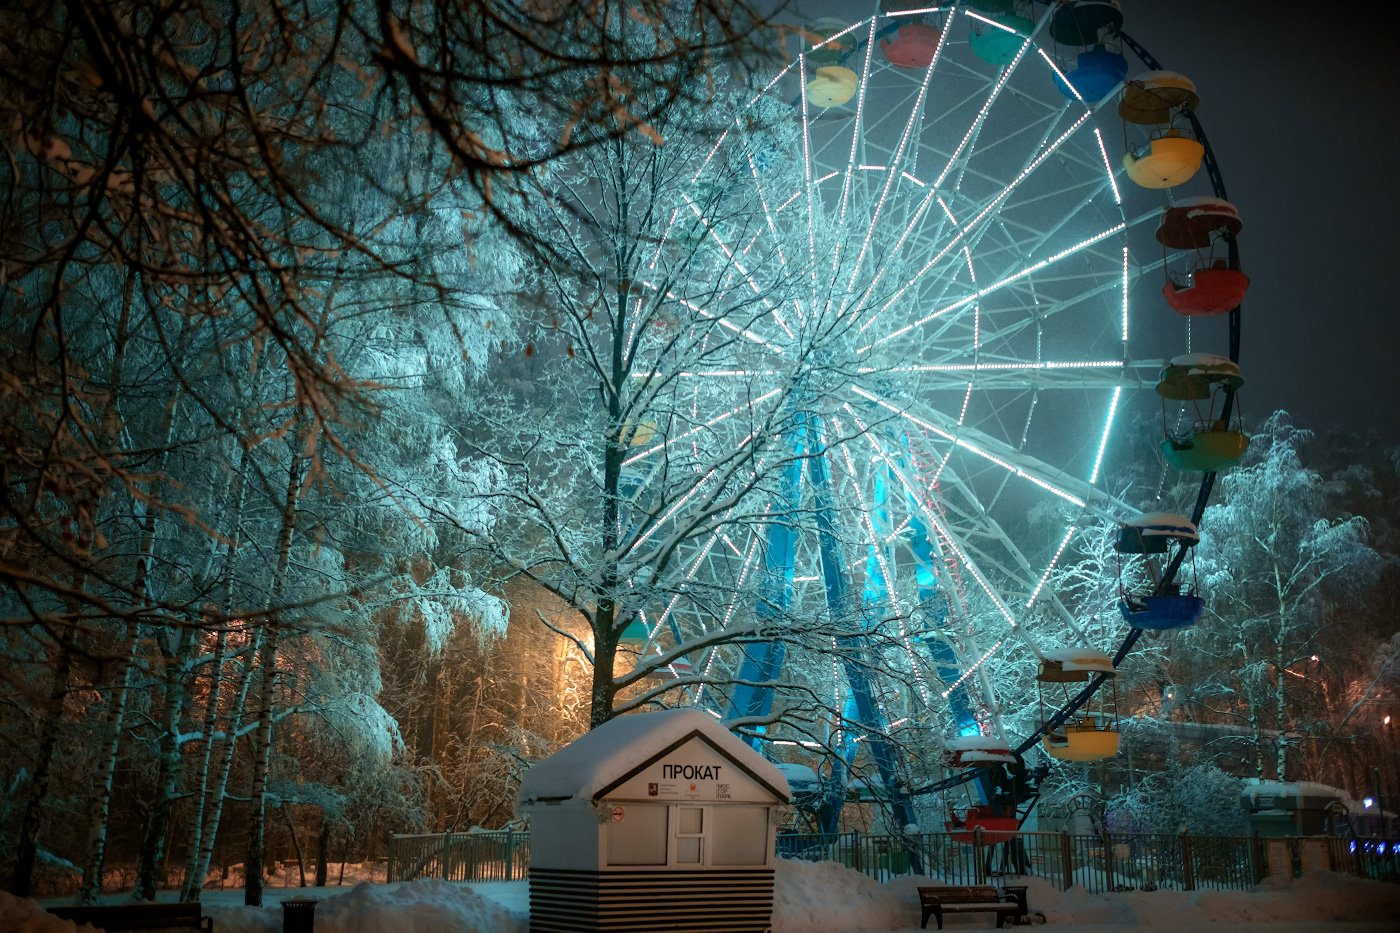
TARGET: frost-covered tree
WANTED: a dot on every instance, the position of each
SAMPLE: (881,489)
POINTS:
(626,466)
(1279,564)
(1199,798)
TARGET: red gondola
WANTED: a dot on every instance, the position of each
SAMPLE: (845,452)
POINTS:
(1214,290)
(995,823)
(912,47)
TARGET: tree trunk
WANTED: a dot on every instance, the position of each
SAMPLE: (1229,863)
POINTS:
(157,834)
(209,834)
(100,797)
(262,759)
(100,805)
(262,743)
(296,845)
(201,792)
(194,876)
(1280,710)
(1256,739)
(27,843)
(323,849)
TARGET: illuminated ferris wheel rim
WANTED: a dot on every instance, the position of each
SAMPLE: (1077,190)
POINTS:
(948,370)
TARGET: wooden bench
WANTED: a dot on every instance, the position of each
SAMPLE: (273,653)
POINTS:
(139,918)
(963,899)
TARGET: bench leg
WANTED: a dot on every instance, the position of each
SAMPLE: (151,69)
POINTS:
(936,913)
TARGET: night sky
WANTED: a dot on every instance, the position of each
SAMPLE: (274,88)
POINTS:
(1300,105)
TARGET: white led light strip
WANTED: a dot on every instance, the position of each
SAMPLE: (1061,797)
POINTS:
(993,367)
(1061,75)
(996,286)
(914,112)
(1053,561)
(1103,440)
(973,669)
(971,447)
(1108,167)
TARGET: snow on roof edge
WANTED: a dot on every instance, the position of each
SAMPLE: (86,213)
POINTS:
(586,766)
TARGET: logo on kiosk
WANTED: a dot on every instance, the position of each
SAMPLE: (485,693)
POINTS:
(653,789)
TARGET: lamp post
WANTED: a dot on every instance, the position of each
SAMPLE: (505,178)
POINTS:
(1383,831)
(1380,792)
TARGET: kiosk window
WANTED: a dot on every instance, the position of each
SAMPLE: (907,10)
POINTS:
(640,839)
(739,835)
(690,835)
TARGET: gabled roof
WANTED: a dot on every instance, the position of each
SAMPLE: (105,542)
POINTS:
(609,754)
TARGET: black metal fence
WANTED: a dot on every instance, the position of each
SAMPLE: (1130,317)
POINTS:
(1114,862)
(1097,863)
(502,856)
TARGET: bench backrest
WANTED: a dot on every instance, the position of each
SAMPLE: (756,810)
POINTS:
(115,917)
(961,894)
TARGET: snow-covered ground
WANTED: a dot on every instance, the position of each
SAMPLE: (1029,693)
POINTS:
(822,897)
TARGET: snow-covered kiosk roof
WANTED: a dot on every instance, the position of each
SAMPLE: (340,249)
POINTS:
(605,759)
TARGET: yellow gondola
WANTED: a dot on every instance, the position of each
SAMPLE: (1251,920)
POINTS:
(1083,740)
(1093,736)
(832,87)
(1166,161)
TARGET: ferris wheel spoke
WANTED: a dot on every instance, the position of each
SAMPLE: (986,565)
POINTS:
(984,110)
(989,375)
(895,160)
(1001,454)
(974,224)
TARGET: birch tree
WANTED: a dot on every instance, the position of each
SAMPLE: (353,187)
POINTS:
(1277,562)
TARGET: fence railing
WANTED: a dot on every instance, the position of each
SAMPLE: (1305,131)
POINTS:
(1112,862)
(1097,863)
(1368,858)
(492,856)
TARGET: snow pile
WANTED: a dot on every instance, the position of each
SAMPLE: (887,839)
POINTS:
(19,915)
(423,906)
(827,897)
(1324,896)
(810,897)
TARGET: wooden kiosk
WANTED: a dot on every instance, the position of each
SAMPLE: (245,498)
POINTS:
(654,821)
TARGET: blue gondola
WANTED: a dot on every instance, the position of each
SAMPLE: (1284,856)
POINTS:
(1094,76)
(1160,613)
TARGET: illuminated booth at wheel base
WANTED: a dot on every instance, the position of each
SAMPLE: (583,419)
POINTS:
(654,821)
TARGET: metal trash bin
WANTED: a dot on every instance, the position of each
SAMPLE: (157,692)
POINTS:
(299,915)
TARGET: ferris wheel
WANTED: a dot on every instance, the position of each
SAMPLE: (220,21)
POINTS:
(956,199)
